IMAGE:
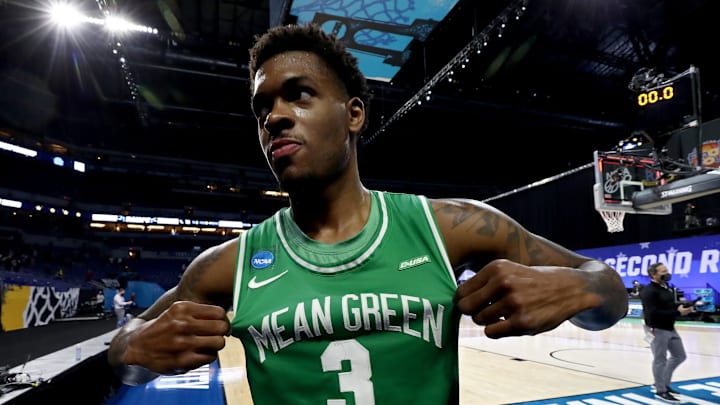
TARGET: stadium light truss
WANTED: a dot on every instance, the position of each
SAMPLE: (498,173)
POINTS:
(496,27)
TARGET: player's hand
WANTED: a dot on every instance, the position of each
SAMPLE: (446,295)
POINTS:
(511,299)
(186,336)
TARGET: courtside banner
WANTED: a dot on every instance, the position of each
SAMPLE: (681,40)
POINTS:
(693,262)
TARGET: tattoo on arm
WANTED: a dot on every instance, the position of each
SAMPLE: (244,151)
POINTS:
(534,249)
(196,273)
(541,252)
(522,247)
(483,222)
(514,245)
(511,240)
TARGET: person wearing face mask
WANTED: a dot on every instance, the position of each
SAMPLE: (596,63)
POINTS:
(660,312)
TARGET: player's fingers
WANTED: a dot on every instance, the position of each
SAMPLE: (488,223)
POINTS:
(180,344)
(499,329)
(202,327)
(490,314)
(474,283)
(476,298)
(182,309)
(472,303)
(206,311)
(209,344)
(187,361)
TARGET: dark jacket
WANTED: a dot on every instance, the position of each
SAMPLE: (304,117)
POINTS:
(659,307)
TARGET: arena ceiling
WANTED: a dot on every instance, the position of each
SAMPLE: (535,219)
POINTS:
(510,92)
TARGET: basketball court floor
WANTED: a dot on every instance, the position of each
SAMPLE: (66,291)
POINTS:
(567,365)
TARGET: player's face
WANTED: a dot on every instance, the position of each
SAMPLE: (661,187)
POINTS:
(303,118)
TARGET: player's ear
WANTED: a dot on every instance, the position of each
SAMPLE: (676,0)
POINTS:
(356,115)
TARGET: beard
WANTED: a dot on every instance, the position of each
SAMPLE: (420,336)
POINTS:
(311,178)
(304,185)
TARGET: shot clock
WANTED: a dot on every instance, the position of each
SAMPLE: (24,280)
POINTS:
(657,95)
(669,105)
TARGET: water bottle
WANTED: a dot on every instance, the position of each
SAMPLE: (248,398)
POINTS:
(78,353)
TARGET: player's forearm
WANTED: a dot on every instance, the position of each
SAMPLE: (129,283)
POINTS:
(607,284)
(130,374)
(119,343)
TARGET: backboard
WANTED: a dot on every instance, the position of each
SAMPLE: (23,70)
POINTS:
(618,176)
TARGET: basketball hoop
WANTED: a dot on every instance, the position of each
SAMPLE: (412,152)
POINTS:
(613,219)
(617,179)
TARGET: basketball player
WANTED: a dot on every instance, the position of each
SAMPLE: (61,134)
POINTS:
(350,294)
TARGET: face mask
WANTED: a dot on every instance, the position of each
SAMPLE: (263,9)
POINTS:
(666,277)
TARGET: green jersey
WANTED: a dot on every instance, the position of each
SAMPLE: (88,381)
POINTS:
(369,320)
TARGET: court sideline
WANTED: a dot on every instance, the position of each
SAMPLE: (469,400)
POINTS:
(564,362)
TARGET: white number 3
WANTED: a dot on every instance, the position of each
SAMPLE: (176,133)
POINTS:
(357,380)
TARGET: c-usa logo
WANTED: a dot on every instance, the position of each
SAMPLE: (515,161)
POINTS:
(262,259)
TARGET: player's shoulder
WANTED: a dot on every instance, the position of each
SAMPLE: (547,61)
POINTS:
(451,212)
(219,254)
(460,204)
(401,202)
(210,273)
(229,245)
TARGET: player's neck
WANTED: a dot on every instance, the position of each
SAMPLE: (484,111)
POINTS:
(337,215)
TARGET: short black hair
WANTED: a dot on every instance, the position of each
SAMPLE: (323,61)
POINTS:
(311,38)
(653,268)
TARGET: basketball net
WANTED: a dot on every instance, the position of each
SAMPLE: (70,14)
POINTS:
(613,219)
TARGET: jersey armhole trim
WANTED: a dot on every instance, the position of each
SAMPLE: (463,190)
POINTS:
(240,264)
(430,217)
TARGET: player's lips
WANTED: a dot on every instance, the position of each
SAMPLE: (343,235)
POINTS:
(282,148)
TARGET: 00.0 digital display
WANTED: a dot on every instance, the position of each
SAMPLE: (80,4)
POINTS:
(654,96)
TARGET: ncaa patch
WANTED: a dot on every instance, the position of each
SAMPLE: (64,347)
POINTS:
(262,259)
